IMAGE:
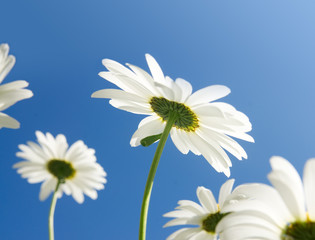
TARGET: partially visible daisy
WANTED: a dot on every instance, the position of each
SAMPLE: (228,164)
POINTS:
(201,125)
(206,215)
(10,93)
(285,212)
(52,161)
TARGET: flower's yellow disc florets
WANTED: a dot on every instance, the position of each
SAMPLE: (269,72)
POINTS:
(211,221)
(61,169)
(186,119)
(299,231)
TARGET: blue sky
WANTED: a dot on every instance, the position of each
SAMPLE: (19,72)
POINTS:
(264,51)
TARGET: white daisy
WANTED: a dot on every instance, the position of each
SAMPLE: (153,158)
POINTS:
(206,216)
(10,93)
(51,161)
(201,125)
(285,212)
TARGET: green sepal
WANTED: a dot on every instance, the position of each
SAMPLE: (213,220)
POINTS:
(150,140)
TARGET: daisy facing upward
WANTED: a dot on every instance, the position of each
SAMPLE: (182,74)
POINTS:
(71,170)
(198,124)
(206,215)
(285,212)
(193,120)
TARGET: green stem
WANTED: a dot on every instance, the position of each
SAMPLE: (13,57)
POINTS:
(149,184)
(51,213)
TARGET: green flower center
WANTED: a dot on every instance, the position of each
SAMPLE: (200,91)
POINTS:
(209,224)
(61,169)
(299,231)
(186,119)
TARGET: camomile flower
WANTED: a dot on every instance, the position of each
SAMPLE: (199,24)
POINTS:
(206,215)
(285,212)
(53,162)
(201,125)
(10,93)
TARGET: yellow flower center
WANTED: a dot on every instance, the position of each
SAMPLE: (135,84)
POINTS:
(61,169)
(211,221)
(186,118)
(299,231)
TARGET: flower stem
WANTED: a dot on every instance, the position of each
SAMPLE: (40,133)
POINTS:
(51,213)
(148,187)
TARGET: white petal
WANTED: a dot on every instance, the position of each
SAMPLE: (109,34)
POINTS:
(148,129)
(119,95)
(228,122)
(226,142)
(117,68)
(208,110)
(225,160)
(167,92)
(183,234)
(155,69)
(46,188)
(13,86)
(127,84)
(203,235)
(242,232)
(76,192)
(309,183)
(177,91)
(215,126)
(250,218)
(186,88)
(8,98)
(185,138)
(191,206)
(287,181)
(148,120)
(177,221)
(225,191)
(145,79)
(212,152)
(131,107)
(179,214)
(207,199)
(208,94)
(177,139)
(8,122)
(7,65)
(258,197)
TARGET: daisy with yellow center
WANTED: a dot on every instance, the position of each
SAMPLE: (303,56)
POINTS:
(206,215)
(200,125)
(285,212)
(71,170)
(193,120)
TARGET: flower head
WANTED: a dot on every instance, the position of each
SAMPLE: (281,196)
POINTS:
(206,216)
(51,161)
(285,212)
(10,93)
(201,125)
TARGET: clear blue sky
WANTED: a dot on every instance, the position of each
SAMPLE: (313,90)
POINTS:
(263,50)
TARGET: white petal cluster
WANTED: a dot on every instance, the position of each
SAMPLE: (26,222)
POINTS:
(89,175)
(10,93)
(268,211)
(217,121)
(191,213)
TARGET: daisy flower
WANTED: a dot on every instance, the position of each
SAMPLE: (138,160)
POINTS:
(201,126)
(206,215)
(285,212)
(10,93)
(52,162)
